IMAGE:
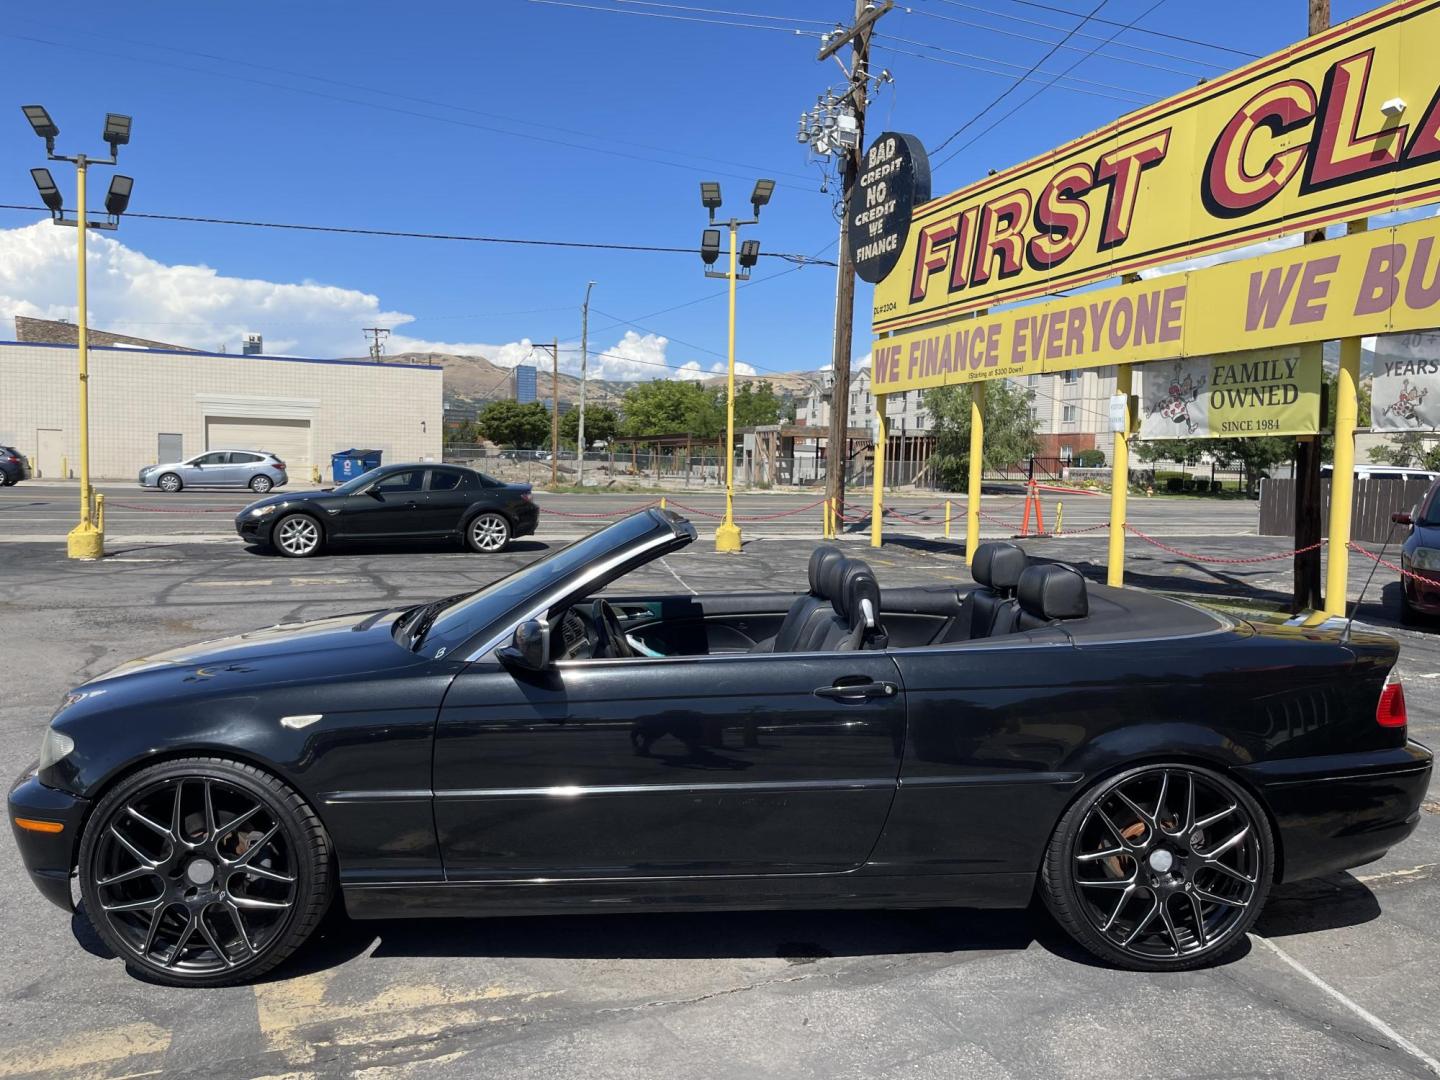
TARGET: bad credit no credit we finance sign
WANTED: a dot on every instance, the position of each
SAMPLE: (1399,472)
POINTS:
(1368,283)
(1341,125)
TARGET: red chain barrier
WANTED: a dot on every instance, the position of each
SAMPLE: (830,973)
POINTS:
(602,514)
(1219,559)
(1086,529)
(1391,566)
(693,510)
(783,513)
(175,509)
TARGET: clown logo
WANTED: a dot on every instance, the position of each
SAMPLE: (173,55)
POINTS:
(1407,405)
(1173,402)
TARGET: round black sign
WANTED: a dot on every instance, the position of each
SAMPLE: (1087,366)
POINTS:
(894,179)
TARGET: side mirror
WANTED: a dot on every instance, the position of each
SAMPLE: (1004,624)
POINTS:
(1401,518)
(529,650)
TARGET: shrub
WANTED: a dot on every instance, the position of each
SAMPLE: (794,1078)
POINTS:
(1090,459)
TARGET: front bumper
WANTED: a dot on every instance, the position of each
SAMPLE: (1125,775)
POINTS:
(1422,596)
(1343,810)
(48,856)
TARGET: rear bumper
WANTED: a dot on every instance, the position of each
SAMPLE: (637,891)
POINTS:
(527,520)
(48,857)
(1343,810)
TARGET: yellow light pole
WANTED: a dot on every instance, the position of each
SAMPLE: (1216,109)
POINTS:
(977,470)
(742,258)
(87,539)
(1342,476)
(877,480)
(1119,485)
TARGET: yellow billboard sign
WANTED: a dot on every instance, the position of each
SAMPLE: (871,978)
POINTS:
(1341,125)
(1368,283)
(1256,392)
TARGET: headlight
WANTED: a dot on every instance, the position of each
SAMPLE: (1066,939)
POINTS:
(263,511)
(54,747)
(1425,558)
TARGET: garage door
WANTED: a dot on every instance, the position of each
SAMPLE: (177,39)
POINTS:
(290,439)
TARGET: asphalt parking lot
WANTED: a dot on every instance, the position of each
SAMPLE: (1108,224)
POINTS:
(1337,980)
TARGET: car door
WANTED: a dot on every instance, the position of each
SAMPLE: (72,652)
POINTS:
(390,507)
(242,466)
(681,766)
(449,493)
(204,470)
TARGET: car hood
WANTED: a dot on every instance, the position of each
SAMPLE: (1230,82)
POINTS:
(1427,536)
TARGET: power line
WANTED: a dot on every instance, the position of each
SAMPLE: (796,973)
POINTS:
(1016,84)
(677,18)
(1125,26)
(722,11)
(1029,74)
(1066,45)
(1038,91)
(407,235)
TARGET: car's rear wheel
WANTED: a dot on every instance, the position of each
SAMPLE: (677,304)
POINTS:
(204,871)
(488,532)
(296,536)
(1161,868)
(261,484)
(169,482)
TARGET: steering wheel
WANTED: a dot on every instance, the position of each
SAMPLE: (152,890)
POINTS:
(611,641)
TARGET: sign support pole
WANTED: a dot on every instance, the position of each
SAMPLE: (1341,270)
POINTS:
(877,478)
(1119,485)
(1342,477)
(977,469)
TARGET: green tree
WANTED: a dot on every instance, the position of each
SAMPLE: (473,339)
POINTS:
(669,407)
(1410,451)
(756,403)
(601,424)
(1009,428)
(510,424)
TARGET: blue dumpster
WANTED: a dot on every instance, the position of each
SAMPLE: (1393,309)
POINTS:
(348,464)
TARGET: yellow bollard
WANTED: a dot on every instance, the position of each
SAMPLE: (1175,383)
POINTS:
(662,502)
(1059,518)
(825,533)
(65,468)
(947,519)
(100,511)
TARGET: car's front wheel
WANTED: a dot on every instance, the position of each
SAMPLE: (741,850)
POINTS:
(204,871)
(261,484)
(296,536)
(1161,868)
(488,532)
(169,482)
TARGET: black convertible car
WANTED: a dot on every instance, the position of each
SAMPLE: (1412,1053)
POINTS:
(394,502)
(542,745)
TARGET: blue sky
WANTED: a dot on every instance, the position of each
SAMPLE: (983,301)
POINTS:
(527,120)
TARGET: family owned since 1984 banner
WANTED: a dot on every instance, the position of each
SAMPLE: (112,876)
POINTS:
(1260,392)
(1405,395)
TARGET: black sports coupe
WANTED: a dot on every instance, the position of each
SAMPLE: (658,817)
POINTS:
(545,745)
(394,502)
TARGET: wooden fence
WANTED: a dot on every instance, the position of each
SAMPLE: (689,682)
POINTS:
(1375,501)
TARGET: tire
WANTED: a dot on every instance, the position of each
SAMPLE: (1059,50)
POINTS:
(6,480)
(170,483)
(1122,855)
(297,536)
(261,484)
(488,532)
(204,871)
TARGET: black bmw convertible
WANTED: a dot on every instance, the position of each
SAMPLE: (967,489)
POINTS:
(549,743)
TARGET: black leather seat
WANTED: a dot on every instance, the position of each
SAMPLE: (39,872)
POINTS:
(856,623)
(813,609)
(991,608)
(1051,592)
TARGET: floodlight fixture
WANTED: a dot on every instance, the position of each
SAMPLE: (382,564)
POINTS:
(761,195)
(40,121)
(710,196)
(749,253)
(710,246)
(117,130)
(49,193)
(1393,108)
(117,199)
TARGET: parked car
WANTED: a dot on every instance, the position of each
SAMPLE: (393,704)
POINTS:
(544,744)
(13,466)
(1420,555)
(259,470)
(1384,472)
(394,502)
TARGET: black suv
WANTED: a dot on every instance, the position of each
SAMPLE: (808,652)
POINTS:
(13,466)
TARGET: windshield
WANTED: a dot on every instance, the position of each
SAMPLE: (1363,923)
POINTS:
(354,485)
(454,625)
(1430,514)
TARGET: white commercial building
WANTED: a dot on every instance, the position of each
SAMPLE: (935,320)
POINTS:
(152,405)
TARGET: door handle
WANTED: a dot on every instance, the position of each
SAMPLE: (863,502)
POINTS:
(857,691)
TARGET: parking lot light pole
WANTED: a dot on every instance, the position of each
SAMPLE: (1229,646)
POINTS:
(87,539)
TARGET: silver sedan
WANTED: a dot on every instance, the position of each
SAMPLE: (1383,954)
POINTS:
(258,470)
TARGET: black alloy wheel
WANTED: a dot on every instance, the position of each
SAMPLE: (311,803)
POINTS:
(1161,868)
(204,872)
(261,484)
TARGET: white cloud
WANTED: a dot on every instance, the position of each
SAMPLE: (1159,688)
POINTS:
(691,369)
(131,293)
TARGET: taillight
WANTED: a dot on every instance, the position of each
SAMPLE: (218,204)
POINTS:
(280,465)
(525,495)
(1390,710)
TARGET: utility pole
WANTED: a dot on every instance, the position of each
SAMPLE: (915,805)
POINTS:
(858,36)
(377,336)
(1307,447)
(584,365)
(554,412)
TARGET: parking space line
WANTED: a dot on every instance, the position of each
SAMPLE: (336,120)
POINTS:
(109,1047)
(677,577)
(1354,1006)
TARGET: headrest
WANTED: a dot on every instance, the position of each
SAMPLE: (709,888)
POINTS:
(862,600)
(1053,591)
(998,564)
(854,570)
(830,574)
(818,558)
